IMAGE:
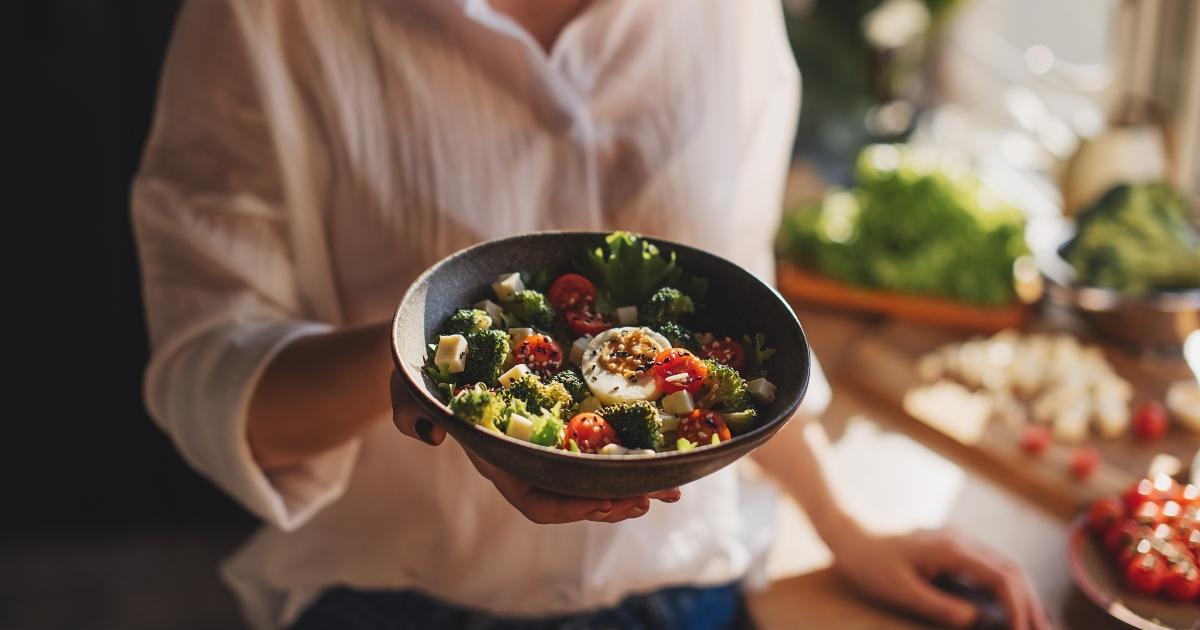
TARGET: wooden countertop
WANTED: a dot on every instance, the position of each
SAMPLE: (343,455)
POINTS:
(1006,513)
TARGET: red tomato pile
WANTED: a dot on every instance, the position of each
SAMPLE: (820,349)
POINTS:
(1152,533)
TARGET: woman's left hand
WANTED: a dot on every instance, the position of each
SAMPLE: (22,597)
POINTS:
(898,570)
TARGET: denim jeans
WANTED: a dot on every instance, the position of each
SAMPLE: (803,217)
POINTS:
(691,608)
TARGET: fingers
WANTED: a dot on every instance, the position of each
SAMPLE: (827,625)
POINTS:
(1003,577)
(670,495)
(405,416)
(942,608)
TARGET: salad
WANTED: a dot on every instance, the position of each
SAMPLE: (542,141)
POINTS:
(600,359)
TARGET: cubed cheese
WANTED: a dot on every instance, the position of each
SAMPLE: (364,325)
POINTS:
(762,390)
(627,315)
(517,335)
(520,427)
(591,403)
(451,353)
(507,286)
(679,403)
(613,449)
(517,371)
(577,349)
(492,309)
(669,422)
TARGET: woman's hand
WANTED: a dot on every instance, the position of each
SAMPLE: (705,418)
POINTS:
(540,506)
(898,570)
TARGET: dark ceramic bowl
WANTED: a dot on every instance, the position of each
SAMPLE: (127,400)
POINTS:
(738,303)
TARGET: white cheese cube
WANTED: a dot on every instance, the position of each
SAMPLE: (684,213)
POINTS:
(517,371)
(451,353)
(627,315)
(591,403)
(762,390)
(506,287)
(679,403)
(520,427)
(517,335)
(669,422)
(613,449)
(578,348)
(492,309)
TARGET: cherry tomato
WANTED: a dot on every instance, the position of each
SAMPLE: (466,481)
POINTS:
(590,433)
(726,351)
(1141,492)
(1084,462)
(1150,420)
(1105,513)
(582,320)
(700,425)
(1125,535)
(540,353)
(1146,573)
(1183,582)
(570,290)
(670,363)
(1148,513)
(1034,439)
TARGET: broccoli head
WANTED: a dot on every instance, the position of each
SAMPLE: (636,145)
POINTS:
(572,380)
(538,395)
(532,308)
(678,335)
(486,352)
(465,321)
(668,304)
(742,421)
(479,405)
(636,423)
(724,389)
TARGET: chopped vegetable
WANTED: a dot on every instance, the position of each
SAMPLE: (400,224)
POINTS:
(678,335)
(481,406)
(532,308)
(724,389)
(757,354)
(486,353)
(467,320)
(572,381)
(636,423)
(538,395)
(630,269)
(668,304)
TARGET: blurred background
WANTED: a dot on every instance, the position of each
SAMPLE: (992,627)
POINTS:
(971,165)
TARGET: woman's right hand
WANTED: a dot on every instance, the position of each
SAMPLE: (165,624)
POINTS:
(536,504)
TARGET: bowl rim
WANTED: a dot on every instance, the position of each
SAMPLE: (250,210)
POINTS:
(415,382)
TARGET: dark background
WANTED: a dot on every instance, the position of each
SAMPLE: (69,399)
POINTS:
(102,523)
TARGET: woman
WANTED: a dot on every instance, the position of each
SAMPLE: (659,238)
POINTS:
(310,158)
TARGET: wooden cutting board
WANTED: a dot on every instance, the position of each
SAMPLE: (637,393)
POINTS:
(798,284)
(882,363)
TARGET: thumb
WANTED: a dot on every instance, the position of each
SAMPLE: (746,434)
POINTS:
(405,415)
(935,605)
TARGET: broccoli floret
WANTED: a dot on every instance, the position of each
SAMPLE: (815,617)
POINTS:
(572,380)
(724,389)
(465,321)
(532,308)
(678,335)
(479,405)
(486,352)
(668,304)
(538,395)
(636,423)
(741,421)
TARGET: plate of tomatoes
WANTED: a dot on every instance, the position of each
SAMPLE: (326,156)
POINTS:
(1138,555)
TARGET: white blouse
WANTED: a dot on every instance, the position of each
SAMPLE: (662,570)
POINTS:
(310,158)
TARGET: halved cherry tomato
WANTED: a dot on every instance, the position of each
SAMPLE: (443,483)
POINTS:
(570,290)
(1105,513)
(1034,439)
(1150,420)
(540,353)
(583,321)
(1084,462)
(1183,582)
(590,433)
(700,425)
(726,351)
(1124,536)
(1140,493)
(671,363)
(1146,573)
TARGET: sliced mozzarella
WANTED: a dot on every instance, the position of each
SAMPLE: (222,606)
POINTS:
(520,427)
(627,315)
(612,387)
(451,353)
(578,348)
(491,308)
(506,286)
(762,390)
(679,403)
(517,371)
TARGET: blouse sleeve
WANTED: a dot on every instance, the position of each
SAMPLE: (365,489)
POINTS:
(218,272)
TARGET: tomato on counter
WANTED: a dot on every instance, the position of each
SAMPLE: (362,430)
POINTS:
(1150,420)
